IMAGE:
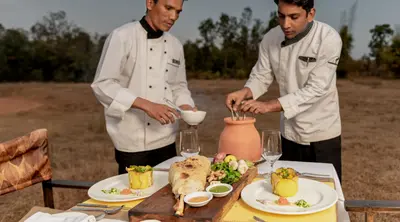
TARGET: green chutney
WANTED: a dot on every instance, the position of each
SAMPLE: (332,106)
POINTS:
(219,189)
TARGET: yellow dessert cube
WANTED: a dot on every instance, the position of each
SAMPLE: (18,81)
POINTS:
(285,182)
(140,177)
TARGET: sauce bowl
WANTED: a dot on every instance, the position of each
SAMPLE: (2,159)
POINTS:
(207,196)
(224,186)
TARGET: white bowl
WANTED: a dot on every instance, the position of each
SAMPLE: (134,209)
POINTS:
(220,194)
(198,194)
(193,117)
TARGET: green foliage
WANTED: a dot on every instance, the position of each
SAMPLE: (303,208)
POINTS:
(231,175)
(345,57)
(237,50)
(391,57)
(379,41)
(55,49)
(228,47)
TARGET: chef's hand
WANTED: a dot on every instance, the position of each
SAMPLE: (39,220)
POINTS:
(159,112)
(258,107)
(237,97)
(162,113)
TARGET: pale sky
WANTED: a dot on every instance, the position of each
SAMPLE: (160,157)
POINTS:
(102,16)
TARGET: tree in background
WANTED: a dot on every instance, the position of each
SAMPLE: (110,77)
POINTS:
(62,51)
(228,47)
(380,40)
(391,57)
(273,21)
(345,55)
(55,49)
(208,51)
(15,55)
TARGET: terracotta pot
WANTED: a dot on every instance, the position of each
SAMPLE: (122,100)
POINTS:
(240,138)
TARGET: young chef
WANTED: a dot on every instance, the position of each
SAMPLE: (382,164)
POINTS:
(141,64)
(302,56)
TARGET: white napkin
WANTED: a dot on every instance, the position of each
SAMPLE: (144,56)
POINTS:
(61,217)
(65,217)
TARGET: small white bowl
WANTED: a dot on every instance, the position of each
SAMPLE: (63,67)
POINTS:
(193,117)
(220,194)
(198,194)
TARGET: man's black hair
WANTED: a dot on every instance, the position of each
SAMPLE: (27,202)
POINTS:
(305,4)
(155,1)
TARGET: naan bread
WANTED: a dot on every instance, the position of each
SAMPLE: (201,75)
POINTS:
(188,176)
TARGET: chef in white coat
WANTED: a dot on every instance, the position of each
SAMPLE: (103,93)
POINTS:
(302,55)
(141,64)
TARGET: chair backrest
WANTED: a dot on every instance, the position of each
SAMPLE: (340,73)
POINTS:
(24,161)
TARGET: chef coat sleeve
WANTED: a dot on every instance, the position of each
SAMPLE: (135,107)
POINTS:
(180,91)
(261,75)
(106,85)
(321,79)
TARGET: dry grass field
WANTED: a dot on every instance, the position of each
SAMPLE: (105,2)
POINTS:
(81,149)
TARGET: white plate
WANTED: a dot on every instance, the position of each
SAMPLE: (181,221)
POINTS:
(122,182)
(319,195)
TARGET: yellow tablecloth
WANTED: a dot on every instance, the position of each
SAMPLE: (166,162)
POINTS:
(241,212)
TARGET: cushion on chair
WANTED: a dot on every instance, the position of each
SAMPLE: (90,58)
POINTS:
(24,161)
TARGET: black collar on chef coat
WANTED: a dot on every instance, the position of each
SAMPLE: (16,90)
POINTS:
(298,37)
(151,34)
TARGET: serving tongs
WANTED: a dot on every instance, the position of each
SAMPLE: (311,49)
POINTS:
(237,115)
(169,102)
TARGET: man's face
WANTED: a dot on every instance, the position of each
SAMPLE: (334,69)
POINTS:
(293,19)
(164,14)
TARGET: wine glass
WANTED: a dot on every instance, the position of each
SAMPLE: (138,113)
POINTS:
(189,143)
(271,149)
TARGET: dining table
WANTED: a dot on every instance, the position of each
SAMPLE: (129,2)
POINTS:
(240,210)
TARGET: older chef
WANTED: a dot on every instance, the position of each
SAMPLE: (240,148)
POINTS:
(141,64)
(302,56)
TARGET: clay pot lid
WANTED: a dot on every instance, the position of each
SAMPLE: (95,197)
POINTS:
(248,120)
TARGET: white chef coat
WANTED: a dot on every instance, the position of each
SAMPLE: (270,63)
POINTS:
(134,66)
(305,70)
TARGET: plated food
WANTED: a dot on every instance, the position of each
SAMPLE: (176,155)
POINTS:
(228,169)
(125,191)
(119,188)
(140,177)
(198,175)
(289,194)
(187,177)
(285,182)
(282,201)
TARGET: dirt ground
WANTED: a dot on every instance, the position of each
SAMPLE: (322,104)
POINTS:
(82,150)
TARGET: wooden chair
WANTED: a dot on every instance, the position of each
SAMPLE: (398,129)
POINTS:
(24,161)
(372,207)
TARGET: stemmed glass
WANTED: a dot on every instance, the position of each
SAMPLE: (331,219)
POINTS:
(271,149)
(189,143)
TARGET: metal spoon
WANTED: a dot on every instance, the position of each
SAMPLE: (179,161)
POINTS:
(108,211)
(100,216)
(173,105)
